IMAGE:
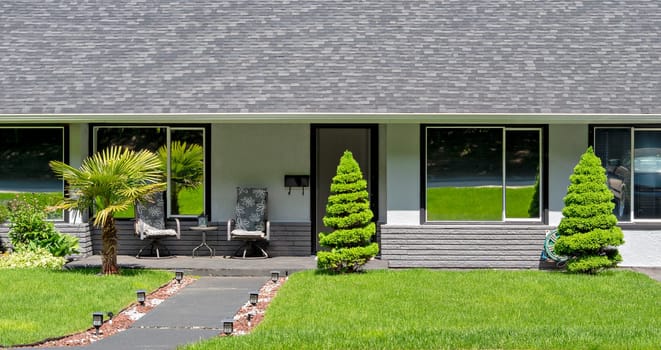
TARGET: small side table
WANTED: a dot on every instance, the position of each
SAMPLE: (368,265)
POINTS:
(204,230)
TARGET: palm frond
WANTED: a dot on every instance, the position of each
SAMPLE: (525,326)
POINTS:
(110,181)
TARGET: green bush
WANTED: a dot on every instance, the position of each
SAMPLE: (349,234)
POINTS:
(29,230)
(348,213)
(27,259)
(4,213)
(588,235)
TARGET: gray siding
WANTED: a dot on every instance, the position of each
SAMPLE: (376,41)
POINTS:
(462,246)
(287,239)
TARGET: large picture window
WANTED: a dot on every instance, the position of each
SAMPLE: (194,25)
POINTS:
(182,150)
(632,159)
(482,173)
(25,154)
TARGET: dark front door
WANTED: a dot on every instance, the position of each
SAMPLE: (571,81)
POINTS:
(330,142)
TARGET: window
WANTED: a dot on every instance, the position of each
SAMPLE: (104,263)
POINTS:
(632,159)
(25,154)
(482,173)
(182,150)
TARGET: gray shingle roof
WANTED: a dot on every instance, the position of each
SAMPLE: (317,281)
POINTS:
(370,56)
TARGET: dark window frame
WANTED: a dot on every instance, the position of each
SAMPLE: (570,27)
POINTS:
(207,155)
(65,150)
(544,173)
(634,223)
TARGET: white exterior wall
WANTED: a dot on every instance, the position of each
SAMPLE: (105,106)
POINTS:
(78,144)
(254,154)
(641,248)
(566,145)
(260,155)
(78,151)
(403,174)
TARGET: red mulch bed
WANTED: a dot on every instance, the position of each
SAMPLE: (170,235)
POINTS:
(126,317)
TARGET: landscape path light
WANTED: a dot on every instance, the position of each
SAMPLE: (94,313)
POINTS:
(178,275)
(254,298)
(275,275)
(228,326)
(97,321)
(142,296)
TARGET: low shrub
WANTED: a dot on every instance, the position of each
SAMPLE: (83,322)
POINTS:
(4,212)
(30,230)
(27,259)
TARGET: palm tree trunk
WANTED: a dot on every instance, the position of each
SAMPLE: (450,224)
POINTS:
(109,249)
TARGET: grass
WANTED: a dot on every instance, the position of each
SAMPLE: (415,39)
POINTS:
(486,309)
(40,304)
(476,203)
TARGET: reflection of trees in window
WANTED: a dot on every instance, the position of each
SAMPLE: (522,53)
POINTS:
(133,138)
(186,171)
(25,152)
(522,155)
(473,172)
(186,160)
(456,152)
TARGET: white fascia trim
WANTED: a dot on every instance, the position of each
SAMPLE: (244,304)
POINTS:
(301,117)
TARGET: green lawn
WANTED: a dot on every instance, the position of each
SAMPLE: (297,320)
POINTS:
(39,304)
(477,203)
(485,309)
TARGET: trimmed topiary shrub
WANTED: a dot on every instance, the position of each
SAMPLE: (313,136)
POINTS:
(588,235)
(348,213)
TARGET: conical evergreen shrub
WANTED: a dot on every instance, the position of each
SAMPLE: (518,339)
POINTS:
(348,213)
(588,235)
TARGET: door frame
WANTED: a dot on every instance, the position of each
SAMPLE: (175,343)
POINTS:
(373,176)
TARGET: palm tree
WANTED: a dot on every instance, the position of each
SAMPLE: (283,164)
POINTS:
(186,168)
(110,181)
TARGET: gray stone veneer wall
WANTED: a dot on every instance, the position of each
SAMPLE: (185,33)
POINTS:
(463,246)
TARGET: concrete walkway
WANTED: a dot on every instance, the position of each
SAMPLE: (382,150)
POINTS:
(193,314)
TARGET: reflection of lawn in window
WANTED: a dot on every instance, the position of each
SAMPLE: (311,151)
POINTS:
(44,199)
(190,203)
(476,203)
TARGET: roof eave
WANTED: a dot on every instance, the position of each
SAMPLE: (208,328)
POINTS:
(513,118)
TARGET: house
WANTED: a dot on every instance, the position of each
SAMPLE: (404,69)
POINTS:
(467,117)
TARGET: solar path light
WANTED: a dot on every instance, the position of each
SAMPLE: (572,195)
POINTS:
(228,326)
(142,296)
(254,298)
(97,321)
(275,275)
